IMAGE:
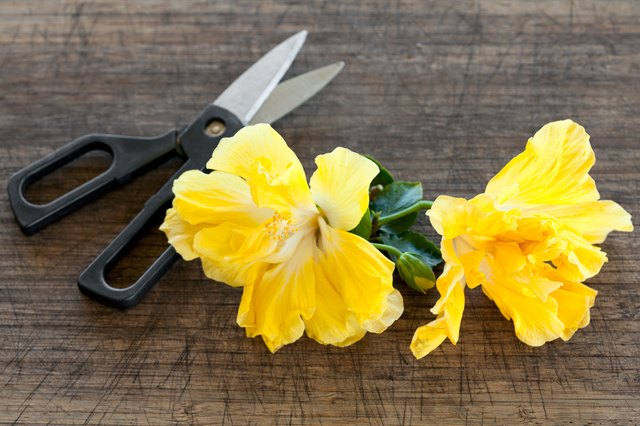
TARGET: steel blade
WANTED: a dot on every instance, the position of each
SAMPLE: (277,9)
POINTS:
(247,93)
(292,93)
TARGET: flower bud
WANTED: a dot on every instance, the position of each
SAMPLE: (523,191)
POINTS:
(417,274)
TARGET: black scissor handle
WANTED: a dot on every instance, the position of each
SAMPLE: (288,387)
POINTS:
(93,282)
(130,155)
(196,143)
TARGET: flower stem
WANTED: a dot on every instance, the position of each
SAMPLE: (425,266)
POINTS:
(420,205)
(391,250)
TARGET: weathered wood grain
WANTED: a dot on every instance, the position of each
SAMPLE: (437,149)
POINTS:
(443,92)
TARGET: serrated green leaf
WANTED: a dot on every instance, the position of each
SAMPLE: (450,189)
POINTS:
(384,177)
(363,229)
(412,242)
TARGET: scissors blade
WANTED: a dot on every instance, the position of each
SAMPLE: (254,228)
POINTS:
(249,91)
(292,93)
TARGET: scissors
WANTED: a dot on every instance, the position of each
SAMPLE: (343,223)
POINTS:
(256,96)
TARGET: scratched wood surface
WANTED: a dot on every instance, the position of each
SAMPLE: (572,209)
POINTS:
(443,92)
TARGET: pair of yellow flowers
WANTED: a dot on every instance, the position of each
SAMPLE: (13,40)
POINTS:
(528,240)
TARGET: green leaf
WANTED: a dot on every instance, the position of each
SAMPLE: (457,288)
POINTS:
(401,225)
(384,177)
(412,242)
(363,229)
(395,197)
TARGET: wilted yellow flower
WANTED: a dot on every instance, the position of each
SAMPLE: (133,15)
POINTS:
(527,240)
(255,223)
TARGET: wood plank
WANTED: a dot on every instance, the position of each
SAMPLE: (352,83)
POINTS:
(441,92)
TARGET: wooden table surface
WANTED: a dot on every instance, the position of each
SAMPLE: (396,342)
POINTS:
(442,92)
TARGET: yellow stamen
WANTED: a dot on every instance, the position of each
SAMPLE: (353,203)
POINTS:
(281,226)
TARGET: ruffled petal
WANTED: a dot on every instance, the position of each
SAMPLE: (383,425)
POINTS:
(180,234)
(284,191)
(508,257)
(451,285)
(579,260)
(215,198)
(233,254)
(592,220)
(332,323)
(276,306)
(556,308)
(574,301)
(541,287)
(428,337)
(393,309)
(452,217)
(535,321)
(362,277)
(449,309)
(449,216)
(340,186)
(259,154)
(553,169)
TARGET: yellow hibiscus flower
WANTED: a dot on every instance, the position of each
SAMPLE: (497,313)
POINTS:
(528,240)
(255,223)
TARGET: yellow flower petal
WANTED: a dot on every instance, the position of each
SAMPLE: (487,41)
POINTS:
(340,186)
(332,323)
(259,154)
(450,285)
(452,217)
(233,254)
(574,301)
(428,337)
(448,216)
(579,259)
(238,154)
(593,220)
(541,287)
(276,306)
(449,309)
(361,275)
(180,234)
(553,169)
(285,190)
(535,321)
(215,198)
(508,257)
(394,307)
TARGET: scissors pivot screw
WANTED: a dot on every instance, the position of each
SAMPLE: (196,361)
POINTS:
(215,128)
